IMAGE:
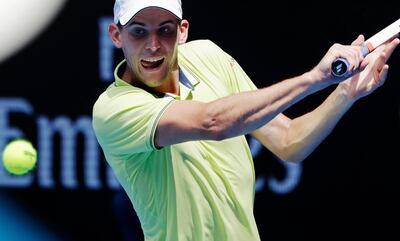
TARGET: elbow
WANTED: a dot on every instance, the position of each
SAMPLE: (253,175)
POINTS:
(289,158)
(293,159)
(291,154)
(215,127)
(215,130)
(223,123)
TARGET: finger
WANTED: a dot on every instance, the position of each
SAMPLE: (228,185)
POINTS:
(357,57)
(360,39)
(358,42)
(392,38)
(381,61)
(383,74)
(391,47)
(364,63)
(351,54)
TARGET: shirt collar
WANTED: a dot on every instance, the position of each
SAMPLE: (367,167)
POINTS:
(118,80)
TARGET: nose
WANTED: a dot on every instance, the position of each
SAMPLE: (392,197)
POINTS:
(153,43)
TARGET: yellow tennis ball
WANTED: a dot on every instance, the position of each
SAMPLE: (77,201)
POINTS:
(19,157)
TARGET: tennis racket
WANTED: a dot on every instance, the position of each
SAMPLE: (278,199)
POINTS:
(340,66)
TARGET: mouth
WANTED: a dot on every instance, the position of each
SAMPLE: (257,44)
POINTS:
(152,63)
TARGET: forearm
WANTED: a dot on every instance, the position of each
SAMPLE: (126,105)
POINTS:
(306,132)
(247,111)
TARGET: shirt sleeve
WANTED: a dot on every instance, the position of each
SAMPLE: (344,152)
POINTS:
(125,120)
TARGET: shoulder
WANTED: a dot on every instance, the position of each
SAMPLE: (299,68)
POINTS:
(120,107)
(119,98)
(199,43)
(203,53)
(202,47)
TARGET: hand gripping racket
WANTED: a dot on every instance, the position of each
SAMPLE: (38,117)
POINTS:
(340,66)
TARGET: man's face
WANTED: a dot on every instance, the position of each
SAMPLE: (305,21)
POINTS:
(149,42)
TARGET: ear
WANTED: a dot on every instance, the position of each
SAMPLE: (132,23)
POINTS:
(115,35)
(184,31)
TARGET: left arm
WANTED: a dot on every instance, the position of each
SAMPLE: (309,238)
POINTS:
(293,140)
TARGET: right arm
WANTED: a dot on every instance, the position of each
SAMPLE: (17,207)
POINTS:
(230,116)
(245,112)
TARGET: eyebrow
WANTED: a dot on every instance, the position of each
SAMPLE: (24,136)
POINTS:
(142,24)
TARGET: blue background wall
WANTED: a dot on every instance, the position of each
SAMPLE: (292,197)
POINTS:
(347,188)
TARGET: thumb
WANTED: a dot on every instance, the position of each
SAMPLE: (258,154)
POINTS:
(360,39)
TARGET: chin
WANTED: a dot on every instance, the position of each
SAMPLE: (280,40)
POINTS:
(154,82)
(153,85)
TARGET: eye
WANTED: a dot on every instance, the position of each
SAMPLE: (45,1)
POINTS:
(166,30)
(138,32)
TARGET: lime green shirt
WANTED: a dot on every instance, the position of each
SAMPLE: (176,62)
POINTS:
(193,191)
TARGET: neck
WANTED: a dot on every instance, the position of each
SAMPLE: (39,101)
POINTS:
(171,85)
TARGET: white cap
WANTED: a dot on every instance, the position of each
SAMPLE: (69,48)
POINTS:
(124,10)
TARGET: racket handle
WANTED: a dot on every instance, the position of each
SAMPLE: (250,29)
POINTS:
(340,66)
